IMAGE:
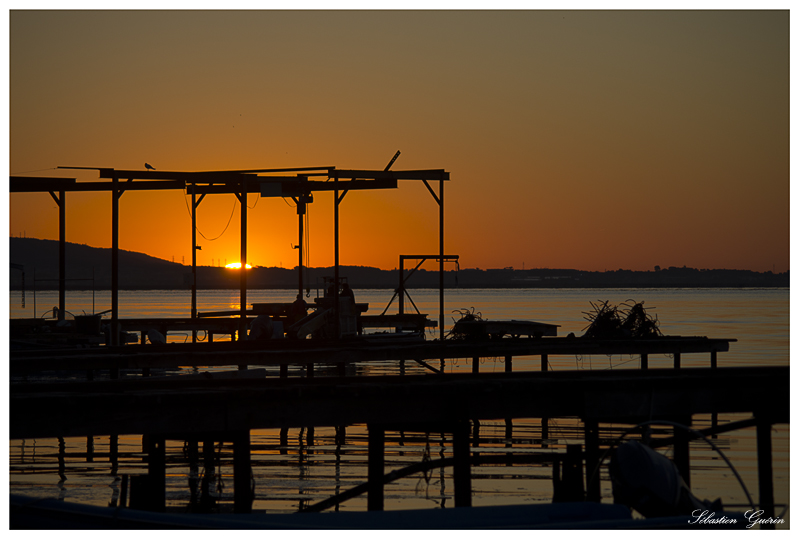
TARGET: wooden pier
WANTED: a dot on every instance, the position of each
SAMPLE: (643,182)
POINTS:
(196,410)
(360,349)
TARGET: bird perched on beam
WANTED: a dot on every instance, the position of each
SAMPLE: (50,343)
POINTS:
(149,167)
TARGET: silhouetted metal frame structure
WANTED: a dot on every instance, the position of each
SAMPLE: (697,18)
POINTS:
(239,183)
(57,187)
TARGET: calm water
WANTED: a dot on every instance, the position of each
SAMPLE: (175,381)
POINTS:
(311,464)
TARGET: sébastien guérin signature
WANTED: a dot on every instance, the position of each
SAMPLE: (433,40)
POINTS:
(704,517)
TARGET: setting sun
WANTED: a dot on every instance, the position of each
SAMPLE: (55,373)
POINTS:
(238,265)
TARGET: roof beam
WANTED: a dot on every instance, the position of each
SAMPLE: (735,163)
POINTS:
(433,174)
(30,184)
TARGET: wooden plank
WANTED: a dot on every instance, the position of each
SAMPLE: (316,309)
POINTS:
(151,406)
(283,351)
(432,174)
(31,184)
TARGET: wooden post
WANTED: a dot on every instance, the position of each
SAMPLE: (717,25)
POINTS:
(284,371)
(644,361)
(194,458)
(592,446)
(242,494)
(336,256)
(310,370)
(284,439)
(544,362)
(714,416)
(157,473)
(476,435)
(441,258)
(766,501)
(114,262)
(243,269)
(508,364)
(375,464)
(462,475)
(476,362)
(113,453)
(61,201)
(677,360)
(194,261)
(208,476)
(681,451)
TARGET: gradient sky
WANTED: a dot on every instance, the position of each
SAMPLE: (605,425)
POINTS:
(594,140)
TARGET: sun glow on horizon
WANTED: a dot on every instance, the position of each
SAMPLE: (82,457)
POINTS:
(238,265)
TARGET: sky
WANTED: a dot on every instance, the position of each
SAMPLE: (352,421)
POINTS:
(593,140)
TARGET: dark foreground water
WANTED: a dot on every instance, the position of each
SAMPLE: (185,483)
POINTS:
(308,465)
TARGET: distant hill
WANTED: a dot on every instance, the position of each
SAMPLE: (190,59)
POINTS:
(137,270)
(140,271)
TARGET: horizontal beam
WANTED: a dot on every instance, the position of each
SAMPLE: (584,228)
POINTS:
(169,405)
(33,184)
(292,187)
(434,257)
(188,177)
(278,352)
(435,174)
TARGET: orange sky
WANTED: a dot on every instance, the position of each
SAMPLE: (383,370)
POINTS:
(588,140)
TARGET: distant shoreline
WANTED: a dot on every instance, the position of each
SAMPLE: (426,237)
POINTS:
(89,268)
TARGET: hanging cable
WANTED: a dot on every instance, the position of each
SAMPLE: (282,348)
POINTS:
(201,232)
(254,205)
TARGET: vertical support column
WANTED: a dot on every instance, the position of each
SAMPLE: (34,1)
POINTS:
(766,501)
(681,451)
(284,371)
(677,360)
(592,452)
(157,472)
(243,269)
(508,364)
(194,262)
(462,474)
(114,262)
(208,476)
(242,494)
(62,254)
(301,212)
(336,254)
(113,453)
(476,362)
(441,259)
(545,431)
(714,416)
(544,362)
(193,453)
(644,361)
(375,464)
(401,292)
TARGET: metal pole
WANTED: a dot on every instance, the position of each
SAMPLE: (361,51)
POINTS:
(194,261)
(301,211)
(766,496)
(401,288)
(62,254)
(115,261)
(441,258)
(243,269)
(336,253)
(375,467)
